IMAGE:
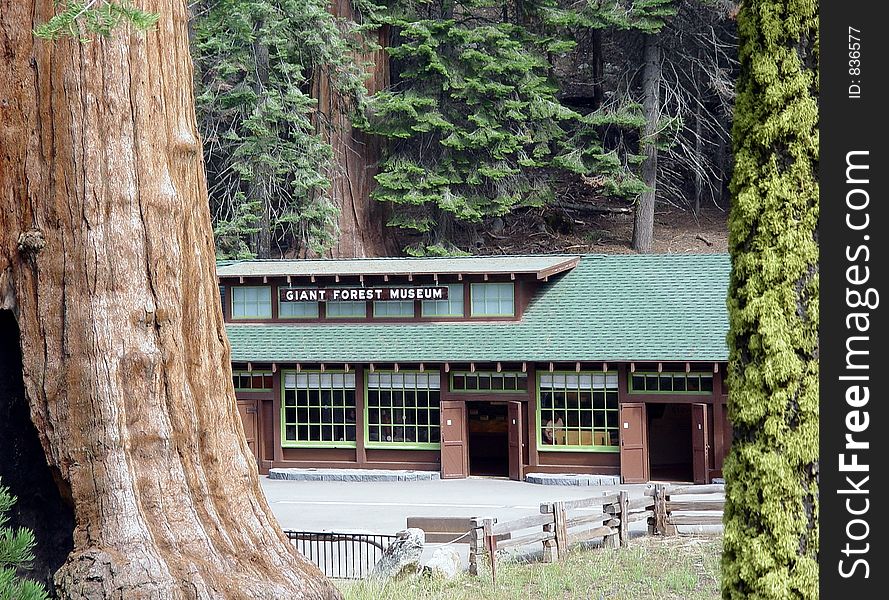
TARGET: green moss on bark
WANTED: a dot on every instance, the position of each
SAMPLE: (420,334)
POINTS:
(771,533)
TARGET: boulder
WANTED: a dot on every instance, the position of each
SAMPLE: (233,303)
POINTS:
(402,557)
(445,562)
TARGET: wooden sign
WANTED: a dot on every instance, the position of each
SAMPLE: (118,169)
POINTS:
(363,294)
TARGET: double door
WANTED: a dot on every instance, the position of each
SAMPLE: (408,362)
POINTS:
(455,450)
(634,443)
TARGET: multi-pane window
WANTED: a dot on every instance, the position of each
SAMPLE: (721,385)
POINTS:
(483,381)
(579,410)
(252,380)
(492,299)
(346,309)
(252,302)
(319,408)
(673,383)
(403,408)
(297,310)
(452,307)
(394,308)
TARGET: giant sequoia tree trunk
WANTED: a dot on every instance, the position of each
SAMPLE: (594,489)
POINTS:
(356,156)
(107,262)
(643,223)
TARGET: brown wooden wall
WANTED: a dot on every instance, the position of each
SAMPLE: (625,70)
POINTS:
(272,454)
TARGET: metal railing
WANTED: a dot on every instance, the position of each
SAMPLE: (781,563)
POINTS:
(341,555)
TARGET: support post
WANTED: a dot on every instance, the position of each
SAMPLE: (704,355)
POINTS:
(561,529)
(652,520)
(549,545)
(611,540)
(624,530)
(476,545)
(491,547)
(660,511)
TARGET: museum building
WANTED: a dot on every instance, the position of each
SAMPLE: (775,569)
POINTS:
(489,365)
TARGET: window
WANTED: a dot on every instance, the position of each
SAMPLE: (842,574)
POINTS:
(402,409)
(318,409)
(252,380)
(394,308)
(483,381)
(578,411)
(671,383)
(252,302)
(346,309)
(452,307)
(492,299)
(297,310)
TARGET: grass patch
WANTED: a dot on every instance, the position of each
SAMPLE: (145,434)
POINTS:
(680,568)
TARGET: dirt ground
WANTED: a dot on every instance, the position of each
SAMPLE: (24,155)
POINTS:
(550,230)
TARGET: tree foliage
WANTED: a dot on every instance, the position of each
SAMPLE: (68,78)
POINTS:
(267,164)
(15,553)
(771,512)
(474,122)
(80,19)
(474,118)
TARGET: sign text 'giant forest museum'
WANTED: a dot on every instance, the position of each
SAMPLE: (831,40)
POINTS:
(496,365)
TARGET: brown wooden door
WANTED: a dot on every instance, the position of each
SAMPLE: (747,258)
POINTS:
(247,410)
(516,440)
(633,443)
(700,442)
(454,455)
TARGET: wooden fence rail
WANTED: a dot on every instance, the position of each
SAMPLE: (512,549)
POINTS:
(563,524)
(700,505)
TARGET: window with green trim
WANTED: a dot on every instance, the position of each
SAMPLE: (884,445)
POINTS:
(318,408)
(578,410)
(252,381)
(652,382)
(492,299)
(394,308)
(252,302)
(403,409)
(485,381)
(297,310)
(452,307)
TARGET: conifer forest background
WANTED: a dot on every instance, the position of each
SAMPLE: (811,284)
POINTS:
(367,128)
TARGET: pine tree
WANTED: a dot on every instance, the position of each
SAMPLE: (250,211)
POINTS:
(15,553)
(268,165)
(474,124)
(771,510)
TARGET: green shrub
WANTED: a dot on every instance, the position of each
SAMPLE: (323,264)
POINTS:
(15,553)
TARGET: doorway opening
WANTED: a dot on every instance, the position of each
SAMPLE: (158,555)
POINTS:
(670,442)
(488,439)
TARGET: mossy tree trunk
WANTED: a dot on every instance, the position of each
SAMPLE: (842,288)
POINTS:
(107,263)
(771,513)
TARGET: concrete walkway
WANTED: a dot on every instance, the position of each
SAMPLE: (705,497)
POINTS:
(383,507)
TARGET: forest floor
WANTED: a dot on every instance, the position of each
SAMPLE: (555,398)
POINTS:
(556,229)
(656,568)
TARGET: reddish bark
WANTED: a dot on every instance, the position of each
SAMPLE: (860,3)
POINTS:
(362,220)
(107,262)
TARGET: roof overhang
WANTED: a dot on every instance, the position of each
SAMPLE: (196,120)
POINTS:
(540,266)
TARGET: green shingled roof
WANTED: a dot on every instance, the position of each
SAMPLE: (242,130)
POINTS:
(665,307)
